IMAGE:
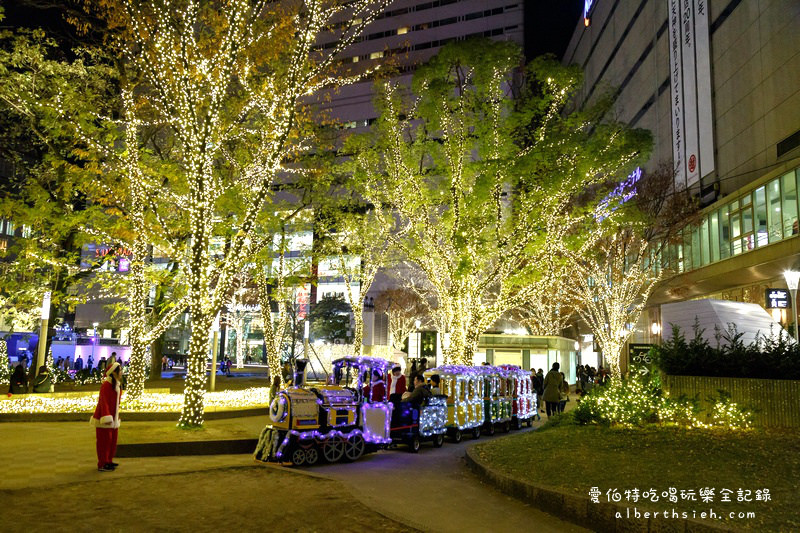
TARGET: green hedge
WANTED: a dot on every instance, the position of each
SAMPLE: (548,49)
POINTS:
(769,357)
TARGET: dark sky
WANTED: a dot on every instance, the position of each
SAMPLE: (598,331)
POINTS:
(549,25)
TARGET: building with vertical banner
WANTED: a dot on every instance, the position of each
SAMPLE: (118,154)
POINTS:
(718,84)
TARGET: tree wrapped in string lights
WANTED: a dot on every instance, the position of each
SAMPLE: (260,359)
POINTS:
(355,241)
(404,307)
(5,369)
(482,171)
(228,80)
(615,274)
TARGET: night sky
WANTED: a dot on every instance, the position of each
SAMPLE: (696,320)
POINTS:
(549,25)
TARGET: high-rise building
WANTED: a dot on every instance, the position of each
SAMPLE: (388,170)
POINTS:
(409,33)
(718,84)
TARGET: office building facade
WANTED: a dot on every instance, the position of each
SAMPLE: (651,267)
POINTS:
(718,84)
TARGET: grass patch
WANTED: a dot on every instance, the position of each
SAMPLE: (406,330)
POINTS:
(575,458)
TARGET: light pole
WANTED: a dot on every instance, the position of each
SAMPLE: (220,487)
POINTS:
(95,325)
(41,349)
(792,278)
(214,348)
(418,324)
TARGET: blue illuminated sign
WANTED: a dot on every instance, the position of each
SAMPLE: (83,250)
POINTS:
(621,194)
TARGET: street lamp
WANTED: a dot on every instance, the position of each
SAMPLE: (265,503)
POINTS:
(417,325)
(214,348)
(95,325)
(41,349)
(792,278)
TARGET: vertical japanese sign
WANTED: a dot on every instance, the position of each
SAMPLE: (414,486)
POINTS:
(703,63)
(689,93)
(690,77)
(676,86)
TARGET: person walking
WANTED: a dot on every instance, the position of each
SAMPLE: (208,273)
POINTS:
(106,419)
(537,381)
(563,394)
(552,389)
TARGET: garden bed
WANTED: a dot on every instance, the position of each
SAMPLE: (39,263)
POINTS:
(573,459)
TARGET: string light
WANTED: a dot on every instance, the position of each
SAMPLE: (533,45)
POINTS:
(155,402)
(5,369)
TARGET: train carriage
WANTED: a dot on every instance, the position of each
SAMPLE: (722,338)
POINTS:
(523,405)
(497,399)
(462,386)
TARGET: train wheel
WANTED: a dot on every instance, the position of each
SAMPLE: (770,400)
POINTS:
(413,444)
(506,426)
(517,424)
(490,430)
(438,440)
(298,456)
(312,456)
(354,447)
(529,421)
(333,449)
(476,433)
(457,436)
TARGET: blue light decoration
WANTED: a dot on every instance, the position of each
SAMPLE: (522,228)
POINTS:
(433,417)
(621,194)
(588,5)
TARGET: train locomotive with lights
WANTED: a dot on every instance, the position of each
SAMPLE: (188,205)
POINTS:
(352,415)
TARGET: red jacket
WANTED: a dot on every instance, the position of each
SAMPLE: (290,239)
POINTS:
(401,384)
(106,414)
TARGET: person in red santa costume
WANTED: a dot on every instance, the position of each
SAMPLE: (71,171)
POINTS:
(397,384)
(106,418)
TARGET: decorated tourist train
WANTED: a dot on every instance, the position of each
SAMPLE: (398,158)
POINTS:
(353,414)
(523,398)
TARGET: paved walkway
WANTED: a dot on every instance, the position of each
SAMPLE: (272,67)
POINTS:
(432,490)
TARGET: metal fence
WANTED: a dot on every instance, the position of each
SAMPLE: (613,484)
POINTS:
(775,402)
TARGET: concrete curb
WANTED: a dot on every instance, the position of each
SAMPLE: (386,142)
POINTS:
(128,417)
(579,509)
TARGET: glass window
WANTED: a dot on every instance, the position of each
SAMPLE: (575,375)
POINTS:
(774,211)
(10,227)
(704,241)
(761,216)
(736,244)
(790,224)
(687,249)
(714,223)
(724,234)
(696,248)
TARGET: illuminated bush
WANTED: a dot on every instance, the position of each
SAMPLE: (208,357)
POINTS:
(637,401)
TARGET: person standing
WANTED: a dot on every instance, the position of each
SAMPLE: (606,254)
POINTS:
(552,390)
(106,419)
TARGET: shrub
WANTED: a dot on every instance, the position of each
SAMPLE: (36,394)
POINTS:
(768,357)
(638,400)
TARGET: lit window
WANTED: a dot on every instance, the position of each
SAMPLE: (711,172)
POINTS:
(376,55)
(355,59)
(26,231)
(9,227)
(3,245)
(402,31)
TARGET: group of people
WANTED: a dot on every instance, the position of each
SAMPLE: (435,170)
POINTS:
(24,382)
(587,376)
(552,388)
(416,389)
